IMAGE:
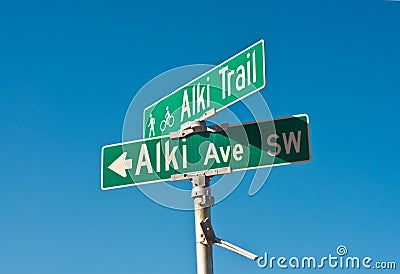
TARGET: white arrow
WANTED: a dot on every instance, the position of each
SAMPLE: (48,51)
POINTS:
(121,164)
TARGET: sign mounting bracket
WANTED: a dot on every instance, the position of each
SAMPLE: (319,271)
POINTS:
(198,125)
(212,239)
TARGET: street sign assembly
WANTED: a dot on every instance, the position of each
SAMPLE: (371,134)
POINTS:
(178,144)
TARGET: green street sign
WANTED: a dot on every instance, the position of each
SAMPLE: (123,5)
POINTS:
(218,88)
(240,147)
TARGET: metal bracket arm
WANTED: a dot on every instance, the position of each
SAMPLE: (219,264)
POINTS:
(210,239)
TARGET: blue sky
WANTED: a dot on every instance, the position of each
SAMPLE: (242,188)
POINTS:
(70,69)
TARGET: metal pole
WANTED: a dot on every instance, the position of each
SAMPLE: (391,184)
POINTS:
(201,194)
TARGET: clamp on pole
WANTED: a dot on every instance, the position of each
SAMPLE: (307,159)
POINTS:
(201,191)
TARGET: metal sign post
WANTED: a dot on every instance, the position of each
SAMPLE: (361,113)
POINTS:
(203,200)
(201,194)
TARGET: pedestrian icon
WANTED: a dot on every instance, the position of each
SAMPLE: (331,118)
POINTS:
(151,126)
(169,120)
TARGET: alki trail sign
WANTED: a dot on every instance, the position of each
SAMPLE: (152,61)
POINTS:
(177,144)
(218,88)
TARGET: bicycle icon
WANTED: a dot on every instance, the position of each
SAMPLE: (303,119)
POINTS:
(169,120)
